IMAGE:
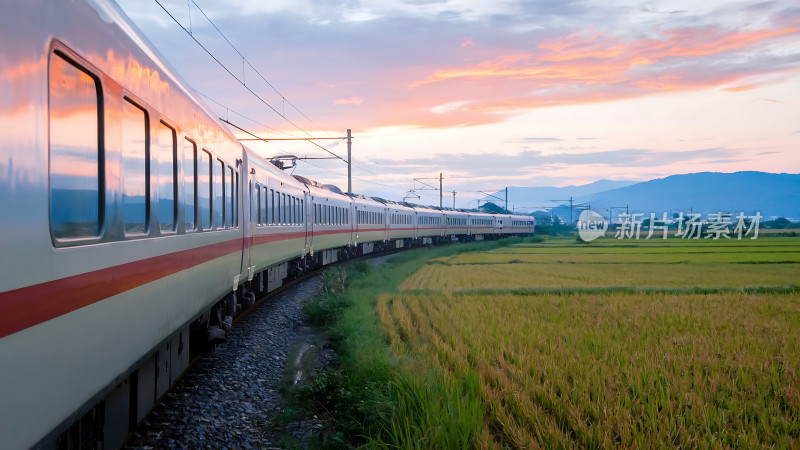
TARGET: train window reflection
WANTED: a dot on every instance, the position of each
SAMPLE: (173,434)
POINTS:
(231,190)
(135,170)
(284,210)
(204,189)
(76,176)
(189,182)
(167,168)
(264,208)
(271,208)
(257,199)
(235,191)
(218,200)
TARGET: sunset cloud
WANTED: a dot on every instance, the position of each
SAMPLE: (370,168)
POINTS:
(543,92)
(595,66)
(349,101)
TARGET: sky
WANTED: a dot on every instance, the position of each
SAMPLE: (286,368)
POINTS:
(496,93)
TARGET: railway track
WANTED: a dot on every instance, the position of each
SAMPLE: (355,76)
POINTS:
(229,397)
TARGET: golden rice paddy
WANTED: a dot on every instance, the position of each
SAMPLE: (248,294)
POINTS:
(638,345)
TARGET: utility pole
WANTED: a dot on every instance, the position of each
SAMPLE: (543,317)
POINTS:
(506,198)
(429,187)
(349,168)
(611,211)
(454,199)
(440,189)
(570,206)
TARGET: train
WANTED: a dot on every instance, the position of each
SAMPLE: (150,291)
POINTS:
(135,226)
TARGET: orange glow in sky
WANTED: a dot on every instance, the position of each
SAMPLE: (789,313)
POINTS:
(494,94)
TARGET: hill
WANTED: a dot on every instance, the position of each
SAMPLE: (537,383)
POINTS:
(771,194)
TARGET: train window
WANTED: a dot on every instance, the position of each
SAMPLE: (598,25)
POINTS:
(217,200)
(271,208)
(235,192)
(281,199)
(258,211)
(204,189)
(76,155)
(285,209)
(135,168)
(189,183)
(292,210)
(166,154)
(265,217)
(230,191)
(302,211)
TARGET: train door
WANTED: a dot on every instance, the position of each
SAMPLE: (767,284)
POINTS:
(356,224)
(308,221)
(386,223)
(351,221)
(249,211)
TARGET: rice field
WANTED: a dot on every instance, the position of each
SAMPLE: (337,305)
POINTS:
(660,344)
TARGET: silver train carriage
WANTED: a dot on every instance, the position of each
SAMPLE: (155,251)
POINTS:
(133,219)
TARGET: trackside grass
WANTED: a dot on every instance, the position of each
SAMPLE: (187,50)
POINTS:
(562,345)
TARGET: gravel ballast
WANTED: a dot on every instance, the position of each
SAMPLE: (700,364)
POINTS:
(229,398)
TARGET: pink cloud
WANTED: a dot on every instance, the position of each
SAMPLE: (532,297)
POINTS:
(590,67)
(327,84)
(349,101)
(468,42)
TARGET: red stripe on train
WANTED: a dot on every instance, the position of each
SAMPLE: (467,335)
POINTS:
(28,306)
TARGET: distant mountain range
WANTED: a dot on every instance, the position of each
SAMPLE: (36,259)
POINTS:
(771,194)
(532,197)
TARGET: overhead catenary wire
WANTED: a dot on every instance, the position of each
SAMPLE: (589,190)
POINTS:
(229,110)
(283,98)
(284,132)
(247,61)
(240,81)
(256,137)
(356,178)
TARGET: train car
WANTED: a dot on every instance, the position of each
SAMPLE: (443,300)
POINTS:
(456,224)
(401,226)
(370,223)
(510,224)
(277,230)
(330,222)
(430,225)
(133,219)
(522,225)
(122,212)
(481,225)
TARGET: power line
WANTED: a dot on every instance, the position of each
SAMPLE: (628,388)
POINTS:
(262,100)
(221,64)
(245,60)
(356,178)
(229,110)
